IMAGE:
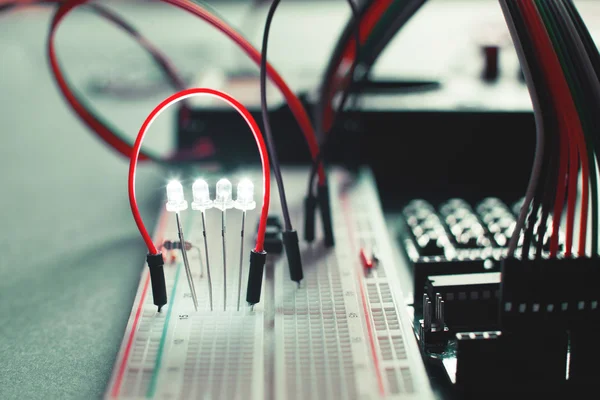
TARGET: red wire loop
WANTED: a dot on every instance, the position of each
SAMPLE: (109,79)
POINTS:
(124,148)
(86,117)
(260,142)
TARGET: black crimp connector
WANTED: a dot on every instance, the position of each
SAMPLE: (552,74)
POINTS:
(157,279)
(255,276)
(292,250)
(310,208)
(325,206)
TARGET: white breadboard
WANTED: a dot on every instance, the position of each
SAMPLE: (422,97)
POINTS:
(343,334)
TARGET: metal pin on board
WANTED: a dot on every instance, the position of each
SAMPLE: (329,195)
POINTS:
(210,289)
(241,259)
(224,201)
(202,202)
(244,201)
(186,263)
(200,261)
(438,299)
(223,231)
(429,311)
(426,310)
(176,203)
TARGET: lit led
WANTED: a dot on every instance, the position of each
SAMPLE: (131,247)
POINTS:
(175,199)
(245,195)
(223,200)
(201,194)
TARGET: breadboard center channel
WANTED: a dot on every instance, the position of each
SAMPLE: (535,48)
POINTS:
(340,335)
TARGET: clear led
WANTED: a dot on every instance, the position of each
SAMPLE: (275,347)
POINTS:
(175,199)
(201,194)
(223,200)
(245,195)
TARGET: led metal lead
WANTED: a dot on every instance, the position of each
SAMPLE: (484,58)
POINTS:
(177,203)
(224,201)
(202,202)
(244,201)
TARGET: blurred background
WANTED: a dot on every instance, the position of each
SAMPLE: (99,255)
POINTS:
(71,254)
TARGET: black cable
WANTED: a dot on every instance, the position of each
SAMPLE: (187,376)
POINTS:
(290,236)
(6,7)
(529,50)
(536,87)
(401,16)
(552,156)
(265,117)
(15,4)
(552,151)
(584,33)
(583,83)
(334,60)
(572,61)
(321,198)
(356,18)
(402,12)
(590,60)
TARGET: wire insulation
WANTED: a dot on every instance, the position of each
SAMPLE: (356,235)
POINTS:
(122,145)
(182,95)
(375,24)
(532,84)
(102,128)
(571,124)
(356,56)
(287,221)
(591,62)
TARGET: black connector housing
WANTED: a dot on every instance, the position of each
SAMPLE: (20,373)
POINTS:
(255,276)
(470,300)
(273,242)
(494,362)
(325,207)
(310,209)
(584,368)
(554,293)
(423,269)
(292,250)
(157,279)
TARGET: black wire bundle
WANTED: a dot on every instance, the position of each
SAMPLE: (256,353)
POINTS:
(539,191)
(589,64)
(567,34)
(580,64)
(545,123)
(395,17)
(290,236)
(265,117)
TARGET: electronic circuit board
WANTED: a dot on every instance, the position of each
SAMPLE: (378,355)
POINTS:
(489,323)
(341,334)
